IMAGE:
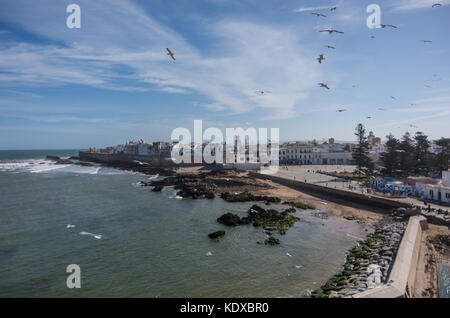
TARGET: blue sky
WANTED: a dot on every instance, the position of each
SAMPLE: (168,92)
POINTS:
(111,80)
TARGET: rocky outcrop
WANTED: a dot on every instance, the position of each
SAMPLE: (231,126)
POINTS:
(300,205)
(157,188)
(63,162)
(247,197)
(272,241)
(216,235)
(270,220)
(230,219)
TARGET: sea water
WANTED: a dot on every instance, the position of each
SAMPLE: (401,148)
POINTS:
(148,244)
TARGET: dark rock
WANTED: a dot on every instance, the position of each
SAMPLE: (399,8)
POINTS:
(216,235)
(63,162)
(157,188)
(229,219)
(272,241)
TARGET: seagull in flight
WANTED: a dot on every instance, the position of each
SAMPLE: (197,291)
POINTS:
(368,117)
(323,85)
(333,9)
(341,110)
(319,14)
(381,109)
(393,97)
(388,25)
(436,5)
(262,92)
(169,52)
(329,46)
(332,31)
(372,36)
(426,41)
(320,58)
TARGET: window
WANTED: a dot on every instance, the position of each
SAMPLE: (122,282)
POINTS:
(447,195)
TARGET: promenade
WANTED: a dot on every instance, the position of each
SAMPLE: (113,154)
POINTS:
(309,174)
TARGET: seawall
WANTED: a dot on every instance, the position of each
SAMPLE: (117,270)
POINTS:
(335,195)
(403,274)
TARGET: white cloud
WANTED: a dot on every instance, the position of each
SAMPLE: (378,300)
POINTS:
(123,49)
(306,9)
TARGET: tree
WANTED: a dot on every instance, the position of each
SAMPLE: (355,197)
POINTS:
(390,158)
(422,156)
(360,152)
(442,159)
(406,164)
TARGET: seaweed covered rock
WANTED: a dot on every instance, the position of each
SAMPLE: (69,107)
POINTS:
(247,197)
(272,241)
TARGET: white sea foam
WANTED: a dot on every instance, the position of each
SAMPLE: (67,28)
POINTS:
(96,236)
(47,166)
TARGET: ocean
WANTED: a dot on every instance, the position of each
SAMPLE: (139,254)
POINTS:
(152,244)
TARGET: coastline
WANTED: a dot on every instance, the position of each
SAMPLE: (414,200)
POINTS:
(238,183)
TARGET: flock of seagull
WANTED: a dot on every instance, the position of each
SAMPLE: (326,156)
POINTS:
(321,58)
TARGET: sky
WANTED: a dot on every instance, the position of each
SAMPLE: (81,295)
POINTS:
(111,80)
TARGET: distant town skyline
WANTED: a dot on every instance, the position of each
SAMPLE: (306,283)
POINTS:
(236,64)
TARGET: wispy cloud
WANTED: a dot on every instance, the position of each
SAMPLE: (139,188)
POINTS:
(306,9)
(134,59)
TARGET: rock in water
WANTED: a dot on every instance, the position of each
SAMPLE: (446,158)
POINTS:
(272,241)
(229,219)
(216,235)
(157,188)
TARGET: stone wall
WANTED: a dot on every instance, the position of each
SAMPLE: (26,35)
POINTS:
(329,193)
(403,274)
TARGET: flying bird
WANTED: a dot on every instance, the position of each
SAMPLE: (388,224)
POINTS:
(426,41)
(413,104)
(263,92)
(341,110)
(319,14)
(388,25)
(372,36)
(332,31)
(333,9)
(381,109)
(436,5)
(320,58)
(323,85)
(393,97)
(368,117)
(329,46)
(172,55)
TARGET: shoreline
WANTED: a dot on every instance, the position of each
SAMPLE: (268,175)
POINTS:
(236,183)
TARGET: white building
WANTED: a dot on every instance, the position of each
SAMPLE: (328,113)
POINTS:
(439,192)
(308,154)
